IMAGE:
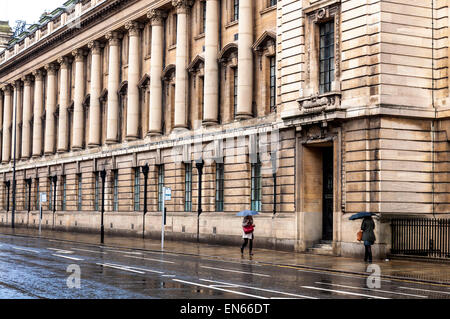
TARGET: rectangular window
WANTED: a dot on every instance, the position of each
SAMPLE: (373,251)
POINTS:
(80,192)
(220,176)
(235,90)
(160,187)
(36,183)
(97,191)
(137,190)
(50,194)
(273,84)
(64,201)
(27,181)
(235,10)
(116,191)
(272,3)
(188,187)
(203,4)
(256,186)
(326,58)
(174,29)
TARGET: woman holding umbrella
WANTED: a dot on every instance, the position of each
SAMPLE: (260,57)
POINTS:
(248,228)
(368,234)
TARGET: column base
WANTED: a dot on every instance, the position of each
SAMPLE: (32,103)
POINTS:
(111,142)
(61,151)
(243,116)
(93,145)
(76,148)
(131,138)
(154,134)
(49,153)
(210,122)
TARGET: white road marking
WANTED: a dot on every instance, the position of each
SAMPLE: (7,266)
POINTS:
(150,259)
(343,292)
(61,251)
(261,289)
(144,269)
(236,271)
(433,291)
(89,251)
(364,277)
(123,252)
(230,261)
(369,289)
(71,258)
(169,276)
(122,268)
(24,249)
(220,289)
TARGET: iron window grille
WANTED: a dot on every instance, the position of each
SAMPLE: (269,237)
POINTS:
(116,190)
(220,176)
(160,187)
(256,184)
(188,187)
(273,87)
(136,189)
(79,195)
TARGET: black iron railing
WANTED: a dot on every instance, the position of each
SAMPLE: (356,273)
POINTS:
(421,237)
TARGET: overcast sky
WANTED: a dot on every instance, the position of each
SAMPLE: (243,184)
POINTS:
(28,10)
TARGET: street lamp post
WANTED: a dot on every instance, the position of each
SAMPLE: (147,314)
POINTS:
(145,170)
(274,176)
(199,165)
(102,227)
(54,179)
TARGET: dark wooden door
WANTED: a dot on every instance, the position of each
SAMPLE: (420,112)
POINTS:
(327,220)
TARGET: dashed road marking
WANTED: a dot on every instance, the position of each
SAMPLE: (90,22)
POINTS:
(66,257)
(236,271)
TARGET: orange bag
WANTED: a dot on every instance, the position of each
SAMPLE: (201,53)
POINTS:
(359,235)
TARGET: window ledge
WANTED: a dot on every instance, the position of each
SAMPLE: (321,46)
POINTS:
(267,10)
(172,47)
(200,36)
(232,23)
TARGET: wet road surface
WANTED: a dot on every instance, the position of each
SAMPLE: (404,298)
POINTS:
(48,269)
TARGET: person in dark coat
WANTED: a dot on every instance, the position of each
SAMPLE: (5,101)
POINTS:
(368,237)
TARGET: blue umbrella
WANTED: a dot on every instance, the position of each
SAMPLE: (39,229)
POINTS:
(361,215)
(247,213)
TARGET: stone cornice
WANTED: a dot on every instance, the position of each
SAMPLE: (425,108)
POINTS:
(91,18)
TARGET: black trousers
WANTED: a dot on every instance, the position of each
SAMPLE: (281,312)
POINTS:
(368,253)
(246,241)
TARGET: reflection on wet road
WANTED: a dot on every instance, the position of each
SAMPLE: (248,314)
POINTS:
(42,268)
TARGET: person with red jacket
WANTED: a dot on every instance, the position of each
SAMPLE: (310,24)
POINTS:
(248,229)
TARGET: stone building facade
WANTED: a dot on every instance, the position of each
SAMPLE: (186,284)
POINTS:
(307,111)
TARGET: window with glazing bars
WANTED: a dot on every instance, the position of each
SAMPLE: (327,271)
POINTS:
(326,56)
(273,84)
(116,191)
(97,190)
(27,181)
(137,190)
(235,90)
(50,194)
(235,10)
(160,187)
(188,187)
(203,4)
(63,204)
(220,176)
(256,186)
(79,191)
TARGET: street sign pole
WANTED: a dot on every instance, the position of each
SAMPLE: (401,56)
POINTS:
(162,219)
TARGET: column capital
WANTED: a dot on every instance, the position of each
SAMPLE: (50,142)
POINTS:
(156,17)
(51,68)
(79,54)
(64,61)
(96,47)
(182,6)
(133,28)
(38,74)
(114,37)
(7,89)
(27,79)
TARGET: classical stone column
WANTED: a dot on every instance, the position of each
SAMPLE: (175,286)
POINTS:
(156,69)
(1,119)
(50,108)
(63,125)
(37,113)
(7,118)
(18,90)
(26,121)
(78,112)
(245,58)
(134,72)
(96,90)
(112,129)
(211,91)
(182,56)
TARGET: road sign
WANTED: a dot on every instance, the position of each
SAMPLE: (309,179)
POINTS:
(43,197)
(168,194)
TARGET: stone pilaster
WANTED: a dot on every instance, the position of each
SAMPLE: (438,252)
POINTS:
(156,68)
(112,129)
(96,90)
(134,72)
